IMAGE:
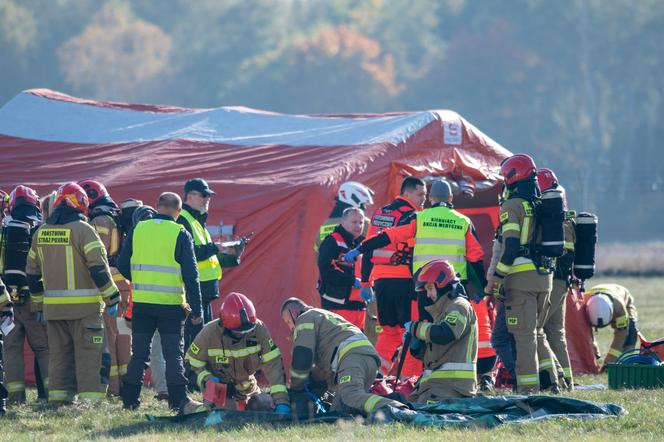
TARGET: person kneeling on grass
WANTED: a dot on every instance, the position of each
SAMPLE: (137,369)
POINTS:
(448,345)
(229,351)
(612,304)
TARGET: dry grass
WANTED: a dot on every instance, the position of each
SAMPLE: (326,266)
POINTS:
(107,420)
(634,259)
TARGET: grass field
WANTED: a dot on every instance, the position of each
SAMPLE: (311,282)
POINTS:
(644,421)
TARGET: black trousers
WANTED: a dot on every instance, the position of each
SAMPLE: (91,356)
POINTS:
(393,300)
(169,321)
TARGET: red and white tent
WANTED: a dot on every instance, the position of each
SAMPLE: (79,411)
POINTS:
(274,174)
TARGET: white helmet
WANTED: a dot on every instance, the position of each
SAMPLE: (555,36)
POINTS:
(356,194)
(600,310)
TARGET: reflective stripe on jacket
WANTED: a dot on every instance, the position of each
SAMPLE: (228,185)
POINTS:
(155,273)
(208,269)
(441,234)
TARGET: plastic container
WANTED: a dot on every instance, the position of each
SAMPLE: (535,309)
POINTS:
(635,376)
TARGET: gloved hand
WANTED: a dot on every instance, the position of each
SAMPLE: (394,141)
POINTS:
(214,379)
(407,326)
(366,293)
(497,289)
(357,284)
(282,409)
(351,256)
(477,298)
(112,310)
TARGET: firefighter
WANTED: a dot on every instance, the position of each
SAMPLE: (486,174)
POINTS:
(439,232)
(70,281)
(6,313)
(104,216)
(519,279)
(386,272)
(341,352)
(230,350)
(554,325)
(612,304)
(447,344)
(158,258)
(340,289)
(350,194)
(46,205)
(18,229)
(127,209)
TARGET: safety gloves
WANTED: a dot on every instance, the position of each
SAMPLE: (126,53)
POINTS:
(366,293)
(351,255)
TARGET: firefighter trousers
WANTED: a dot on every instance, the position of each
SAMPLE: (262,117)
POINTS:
(76,347)
(25,326)
(554,327)
(118,342)
(119,349)
(525,312)
(355,376)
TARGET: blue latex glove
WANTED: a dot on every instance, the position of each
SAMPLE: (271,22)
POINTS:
(39,317)
(366,293)
(282,409)
(477,298)
(214,379)
(319,403)
(407,327)
(112,310)
(351,256)
(358,283)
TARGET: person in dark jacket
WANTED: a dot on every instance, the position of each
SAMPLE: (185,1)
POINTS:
(158,258)
(339,286)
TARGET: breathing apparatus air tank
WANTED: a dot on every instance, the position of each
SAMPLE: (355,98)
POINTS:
(551,217)
(584,248)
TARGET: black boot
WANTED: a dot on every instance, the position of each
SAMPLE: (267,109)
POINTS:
(130,396)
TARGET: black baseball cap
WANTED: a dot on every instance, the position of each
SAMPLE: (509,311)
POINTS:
(198,184)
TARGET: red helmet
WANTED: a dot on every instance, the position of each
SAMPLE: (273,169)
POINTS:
(23,195)
(517,168)
(438,271)
(73,196)
(546,179)
(238,313)
(94,189)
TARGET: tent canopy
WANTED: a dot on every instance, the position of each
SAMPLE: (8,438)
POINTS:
(274,174)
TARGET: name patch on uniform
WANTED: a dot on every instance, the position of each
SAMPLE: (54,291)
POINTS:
(270,343)
(452,318)
(194,348)
(513,321)
(504,216)
(53,236)
(383,221)
(97,339)
(344,379)
(221,360)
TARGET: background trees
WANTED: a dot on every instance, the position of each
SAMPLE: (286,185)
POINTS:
(576,83)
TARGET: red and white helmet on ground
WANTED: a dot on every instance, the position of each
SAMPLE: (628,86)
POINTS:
(356,194)
(546,179)
(73,196)
(438,271)
(23,195)
(94,189)
(600,310)
(238,313)
(517,168)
